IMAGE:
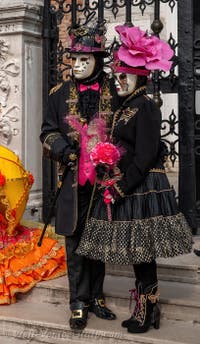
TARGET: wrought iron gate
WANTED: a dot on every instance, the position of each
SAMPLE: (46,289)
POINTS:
(197,102)
(55,67)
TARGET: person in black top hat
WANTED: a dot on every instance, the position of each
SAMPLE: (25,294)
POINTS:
(135,218)
(72,125)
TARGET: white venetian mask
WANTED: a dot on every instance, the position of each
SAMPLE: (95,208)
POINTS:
(82,65)
(125,83)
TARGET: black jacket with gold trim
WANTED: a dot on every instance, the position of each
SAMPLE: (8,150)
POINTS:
(59,139)
(136,128)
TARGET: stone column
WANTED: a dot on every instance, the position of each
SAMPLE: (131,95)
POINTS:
(21,88)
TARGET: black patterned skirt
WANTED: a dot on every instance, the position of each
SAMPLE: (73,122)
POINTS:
(144,226)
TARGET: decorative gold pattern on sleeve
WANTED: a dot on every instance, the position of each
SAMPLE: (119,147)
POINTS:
(55,88)
(119,190)
(127,114)
(50,139)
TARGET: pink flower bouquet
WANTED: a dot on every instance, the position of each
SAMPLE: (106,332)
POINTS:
(105,153)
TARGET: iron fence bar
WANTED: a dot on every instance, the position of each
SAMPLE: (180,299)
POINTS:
(128,13)
(157,27)
(114,6)
(142,4)
(171,3)
(157,9)
(73,9)
(100,11)
(197,102)
(88,10)
(186,112)
(48,166)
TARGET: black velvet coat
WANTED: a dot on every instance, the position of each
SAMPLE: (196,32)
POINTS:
(137,128)
(57,141)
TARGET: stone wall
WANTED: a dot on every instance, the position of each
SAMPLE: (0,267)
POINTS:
(21,86)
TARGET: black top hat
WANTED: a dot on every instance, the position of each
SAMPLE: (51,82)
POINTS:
(85,39)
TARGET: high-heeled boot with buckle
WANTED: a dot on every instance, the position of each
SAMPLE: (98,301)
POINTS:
(79,315)
(148,313)
(133,297)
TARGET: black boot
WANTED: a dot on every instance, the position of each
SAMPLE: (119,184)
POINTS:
(148,313)
(134,297)
(98,307)
(79,315)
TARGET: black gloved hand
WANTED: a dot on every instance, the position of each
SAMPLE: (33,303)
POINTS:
(100,169)
(70,155)
(163,151)
(117,197)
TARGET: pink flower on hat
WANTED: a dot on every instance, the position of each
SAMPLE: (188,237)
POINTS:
(139,49)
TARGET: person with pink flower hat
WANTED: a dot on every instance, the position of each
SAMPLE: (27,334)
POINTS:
(136,219)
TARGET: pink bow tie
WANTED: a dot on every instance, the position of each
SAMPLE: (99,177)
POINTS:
(94,87)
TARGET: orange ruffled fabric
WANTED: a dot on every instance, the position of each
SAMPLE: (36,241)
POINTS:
(23,263)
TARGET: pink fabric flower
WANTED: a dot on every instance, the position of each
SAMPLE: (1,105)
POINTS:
(139,49)
(104,153)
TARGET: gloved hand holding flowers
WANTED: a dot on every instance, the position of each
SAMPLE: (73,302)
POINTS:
(105,157)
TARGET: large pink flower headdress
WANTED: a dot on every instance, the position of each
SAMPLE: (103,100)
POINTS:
(138,49)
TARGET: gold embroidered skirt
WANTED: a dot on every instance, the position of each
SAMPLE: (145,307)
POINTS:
(144,226)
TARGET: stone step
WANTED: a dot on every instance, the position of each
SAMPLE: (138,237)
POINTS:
(48,323)
(178,301)
(184,269)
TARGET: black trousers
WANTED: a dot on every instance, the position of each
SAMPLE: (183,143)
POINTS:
(146,273)
(85,276)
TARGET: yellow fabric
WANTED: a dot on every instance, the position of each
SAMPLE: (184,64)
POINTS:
(22,262)
(14,193)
